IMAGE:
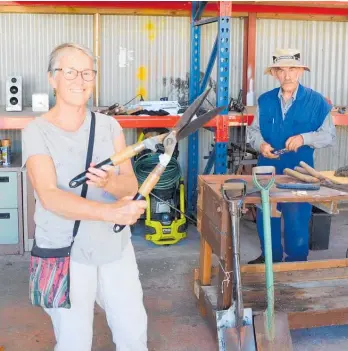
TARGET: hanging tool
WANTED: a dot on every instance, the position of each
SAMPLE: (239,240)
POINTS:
(235,325)
(264,188)
(237,104)
(185,126)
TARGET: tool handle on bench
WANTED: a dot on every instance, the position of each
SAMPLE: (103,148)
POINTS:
(305,178)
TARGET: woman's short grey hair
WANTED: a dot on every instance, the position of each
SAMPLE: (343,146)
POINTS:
(57,51)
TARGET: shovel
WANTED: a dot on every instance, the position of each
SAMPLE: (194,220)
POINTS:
(268,241)
(272,330)
(235,325)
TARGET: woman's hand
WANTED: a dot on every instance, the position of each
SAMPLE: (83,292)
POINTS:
(99,177)
(125,211)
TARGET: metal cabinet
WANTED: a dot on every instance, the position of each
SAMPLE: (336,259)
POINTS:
(11,213)
(8,226)
(8,190)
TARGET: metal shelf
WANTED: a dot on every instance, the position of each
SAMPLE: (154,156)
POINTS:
(127,121)
(231,120)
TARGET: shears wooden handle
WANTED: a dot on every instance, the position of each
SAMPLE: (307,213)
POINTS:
(118,158)
(145,189)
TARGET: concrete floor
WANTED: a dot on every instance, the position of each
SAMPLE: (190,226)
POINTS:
(166,274)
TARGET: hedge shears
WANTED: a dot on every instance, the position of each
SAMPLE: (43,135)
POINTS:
(185,126)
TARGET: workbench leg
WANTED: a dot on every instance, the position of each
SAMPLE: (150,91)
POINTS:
(204,269)
(205,263)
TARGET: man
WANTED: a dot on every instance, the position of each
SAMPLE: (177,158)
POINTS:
(298,119)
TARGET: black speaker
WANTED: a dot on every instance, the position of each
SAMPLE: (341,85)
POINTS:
(14,93)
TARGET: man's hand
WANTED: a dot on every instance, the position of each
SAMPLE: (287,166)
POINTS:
(294,142)
(266,151)
(99,177)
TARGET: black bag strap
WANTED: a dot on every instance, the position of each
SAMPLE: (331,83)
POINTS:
(88,162)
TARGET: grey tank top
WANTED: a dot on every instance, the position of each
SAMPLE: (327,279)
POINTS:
(96,243)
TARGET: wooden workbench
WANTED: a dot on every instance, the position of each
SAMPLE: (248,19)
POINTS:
(313,293)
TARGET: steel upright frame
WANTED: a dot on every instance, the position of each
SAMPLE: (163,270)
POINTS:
(221,53)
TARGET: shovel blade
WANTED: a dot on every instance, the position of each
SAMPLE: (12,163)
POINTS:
(240,339)
(282,337)
(231,337)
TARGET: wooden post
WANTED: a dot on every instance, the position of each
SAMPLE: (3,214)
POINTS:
(96,52)
(249,59)
(245,59)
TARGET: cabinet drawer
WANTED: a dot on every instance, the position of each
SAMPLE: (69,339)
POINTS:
(8,226)
(8,190)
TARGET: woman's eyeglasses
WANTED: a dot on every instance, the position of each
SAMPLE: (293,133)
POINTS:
(71,73)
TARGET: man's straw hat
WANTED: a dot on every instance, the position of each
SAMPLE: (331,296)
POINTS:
(286,58)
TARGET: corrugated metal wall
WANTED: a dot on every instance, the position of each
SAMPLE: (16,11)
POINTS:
(151,55)
(145,54)
(337,156)
(324,48)
(26,41)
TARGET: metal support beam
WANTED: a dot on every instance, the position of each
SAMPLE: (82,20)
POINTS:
(221,53)
(223,63)
(210,66)
(223,80)
(193,145)
(198,9)
(206,21)
(220,158)
(211,161)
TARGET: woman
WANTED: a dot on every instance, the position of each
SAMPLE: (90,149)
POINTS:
(103,265)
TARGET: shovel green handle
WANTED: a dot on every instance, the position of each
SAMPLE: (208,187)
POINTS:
(264,187)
